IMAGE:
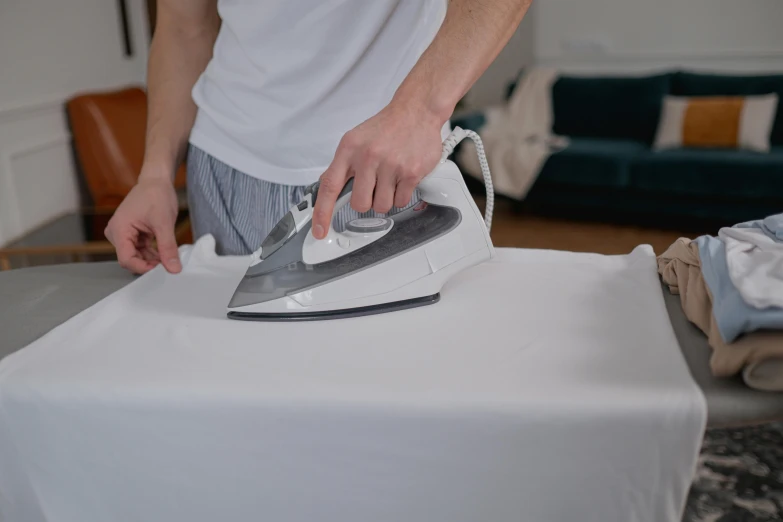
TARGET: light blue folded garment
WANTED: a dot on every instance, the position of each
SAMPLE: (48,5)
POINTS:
(732,314)
(771,225)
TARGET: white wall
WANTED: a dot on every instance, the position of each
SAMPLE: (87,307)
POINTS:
(639,35)
(627,36)
(50,50)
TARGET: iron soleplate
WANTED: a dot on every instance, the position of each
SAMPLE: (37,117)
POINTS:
(337,314)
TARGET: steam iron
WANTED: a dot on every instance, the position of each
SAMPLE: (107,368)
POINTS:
(375,265)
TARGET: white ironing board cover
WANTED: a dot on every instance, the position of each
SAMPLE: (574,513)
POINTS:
(545,386)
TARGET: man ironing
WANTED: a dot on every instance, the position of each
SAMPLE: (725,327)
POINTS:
(266,97)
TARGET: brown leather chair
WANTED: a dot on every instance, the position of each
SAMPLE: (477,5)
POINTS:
(108,130)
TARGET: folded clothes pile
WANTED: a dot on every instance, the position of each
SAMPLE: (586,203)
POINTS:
(731,287)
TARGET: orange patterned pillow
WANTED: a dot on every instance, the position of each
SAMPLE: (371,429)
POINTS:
(735,122)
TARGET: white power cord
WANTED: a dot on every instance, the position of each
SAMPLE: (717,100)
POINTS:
(456,136)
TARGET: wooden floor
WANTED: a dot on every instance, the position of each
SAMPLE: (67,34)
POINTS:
(511,229)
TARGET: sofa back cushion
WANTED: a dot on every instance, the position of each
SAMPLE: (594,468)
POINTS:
(609,107)
(702,84)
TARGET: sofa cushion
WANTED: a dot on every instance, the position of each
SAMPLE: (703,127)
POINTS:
(709,172)
(626,108)
(701,84)
(591,162)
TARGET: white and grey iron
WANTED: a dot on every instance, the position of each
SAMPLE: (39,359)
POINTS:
(376,264)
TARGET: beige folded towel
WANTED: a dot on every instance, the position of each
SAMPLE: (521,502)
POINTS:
(758,355)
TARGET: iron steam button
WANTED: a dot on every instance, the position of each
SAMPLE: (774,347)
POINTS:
(369,225)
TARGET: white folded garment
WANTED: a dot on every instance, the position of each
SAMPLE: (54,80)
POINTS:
(544,386)
(755,263)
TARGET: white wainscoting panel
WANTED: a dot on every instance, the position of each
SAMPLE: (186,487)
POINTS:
(37,178)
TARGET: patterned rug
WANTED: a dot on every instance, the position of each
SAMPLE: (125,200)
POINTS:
(740,476)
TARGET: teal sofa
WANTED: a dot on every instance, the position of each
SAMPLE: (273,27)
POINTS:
(610,171)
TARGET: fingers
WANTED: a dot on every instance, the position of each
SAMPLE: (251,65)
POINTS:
(332,183)
(367,160)
(129,256)
(363,188)
(135,252)
(386,164)
(150,255)
(405,187)
(148,251)
(167,247)
(385,188)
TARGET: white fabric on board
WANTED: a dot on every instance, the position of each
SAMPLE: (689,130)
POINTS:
(544,386)
(755,263)
(518,137)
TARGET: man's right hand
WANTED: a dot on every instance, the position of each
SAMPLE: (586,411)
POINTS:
(142,228)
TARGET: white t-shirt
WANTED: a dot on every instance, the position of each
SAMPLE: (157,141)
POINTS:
(289,78)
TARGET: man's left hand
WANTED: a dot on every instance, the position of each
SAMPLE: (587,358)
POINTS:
(387,155)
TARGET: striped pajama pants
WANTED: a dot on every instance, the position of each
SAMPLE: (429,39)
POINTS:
(239,210)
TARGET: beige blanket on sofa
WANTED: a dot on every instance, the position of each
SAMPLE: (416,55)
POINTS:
(517,137)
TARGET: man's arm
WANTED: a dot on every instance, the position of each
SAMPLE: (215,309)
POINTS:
(142,228)
(181,47)
(389,154)
(471,37)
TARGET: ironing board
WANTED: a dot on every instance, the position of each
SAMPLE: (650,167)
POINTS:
(35,300)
